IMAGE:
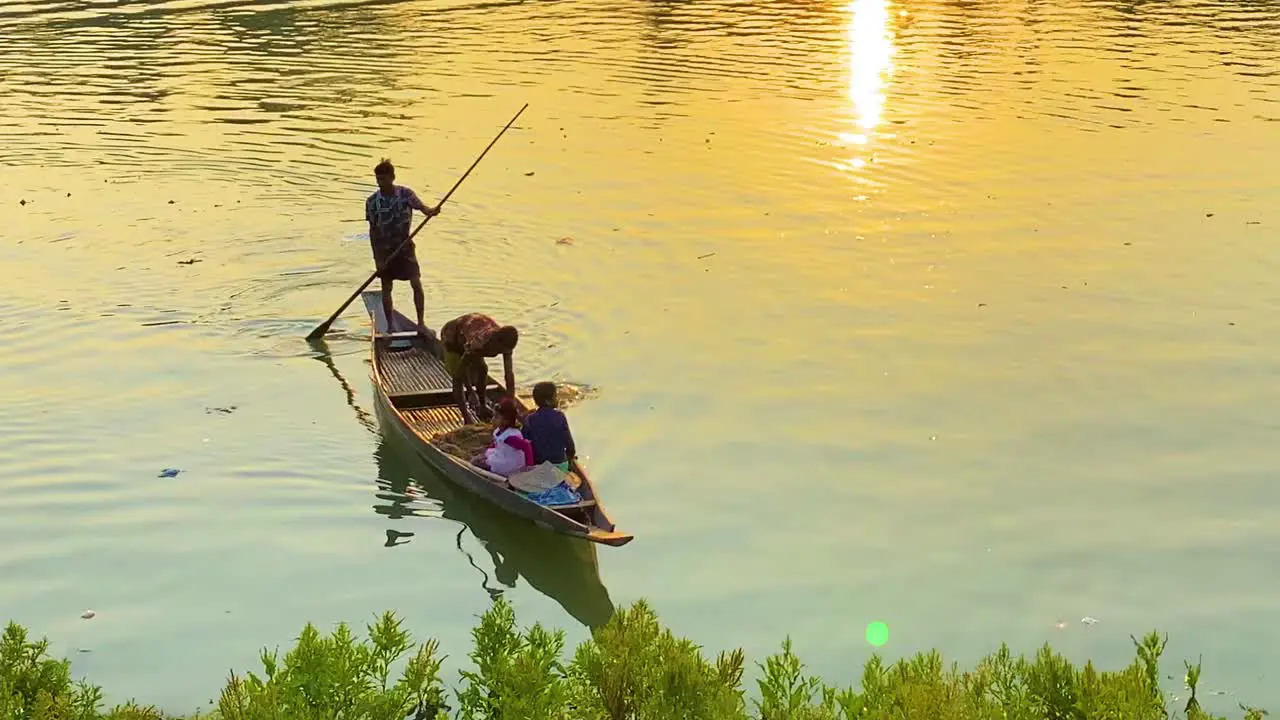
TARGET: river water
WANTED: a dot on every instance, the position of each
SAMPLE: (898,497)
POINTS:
(954,315)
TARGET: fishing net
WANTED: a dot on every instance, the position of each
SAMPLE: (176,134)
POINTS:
(466,442)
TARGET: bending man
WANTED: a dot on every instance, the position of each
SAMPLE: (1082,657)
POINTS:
(468,340)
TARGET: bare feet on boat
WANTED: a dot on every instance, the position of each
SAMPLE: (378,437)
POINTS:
(483,411)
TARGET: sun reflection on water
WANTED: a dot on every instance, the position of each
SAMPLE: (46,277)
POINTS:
(871,52)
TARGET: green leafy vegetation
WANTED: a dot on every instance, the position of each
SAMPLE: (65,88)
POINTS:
(632,669)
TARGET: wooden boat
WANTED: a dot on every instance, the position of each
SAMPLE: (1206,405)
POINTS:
(416,393)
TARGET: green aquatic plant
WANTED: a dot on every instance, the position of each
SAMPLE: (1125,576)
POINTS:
(34,686)
(630,669)
(634,669)
(518,675)
(340,676)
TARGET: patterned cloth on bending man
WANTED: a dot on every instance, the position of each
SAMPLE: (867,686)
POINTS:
(467,334)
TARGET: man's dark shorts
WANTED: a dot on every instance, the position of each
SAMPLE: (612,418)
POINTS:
(404,266)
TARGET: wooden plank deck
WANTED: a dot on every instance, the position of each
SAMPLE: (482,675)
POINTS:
(434,420)
(412,371)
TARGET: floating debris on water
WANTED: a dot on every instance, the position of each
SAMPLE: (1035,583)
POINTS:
(1088,620)
(169,472)
(88,614)
(221,410)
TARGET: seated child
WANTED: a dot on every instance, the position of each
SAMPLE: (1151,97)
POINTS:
(548,429)
(510,451)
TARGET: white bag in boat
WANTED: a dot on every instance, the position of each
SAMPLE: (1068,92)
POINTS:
(537,478)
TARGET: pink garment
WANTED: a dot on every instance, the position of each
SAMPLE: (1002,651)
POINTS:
(508,452)
(520,443)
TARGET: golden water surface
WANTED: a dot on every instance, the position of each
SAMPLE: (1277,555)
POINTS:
(958,315)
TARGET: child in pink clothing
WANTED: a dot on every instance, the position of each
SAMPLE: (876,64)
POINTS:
(509,452)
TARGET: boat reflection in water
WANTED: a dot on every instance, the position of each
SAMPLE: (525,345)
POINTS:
(563,568)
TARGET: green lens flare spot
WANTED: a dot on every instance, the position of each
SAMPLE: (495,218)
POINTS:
(877,634)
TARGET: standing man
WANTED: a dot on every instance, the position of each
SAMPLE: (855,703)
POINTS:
(389,212)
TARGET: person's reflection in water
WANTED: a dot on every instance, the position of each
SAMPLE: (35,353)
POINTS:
(504,571)
(394,538)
